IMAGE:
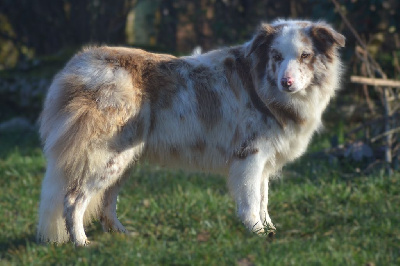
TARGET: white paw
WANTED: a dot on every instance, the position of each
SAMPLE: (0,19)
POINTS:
(252,222)
(266,221)
(82,242)
(258,228)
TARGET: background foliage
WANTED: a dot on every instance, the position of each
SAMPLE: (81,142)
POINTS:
(43,27)
(331,207)
(38,37)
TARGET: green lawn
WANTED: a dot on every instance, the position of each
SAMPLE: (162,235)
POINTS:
(324,216)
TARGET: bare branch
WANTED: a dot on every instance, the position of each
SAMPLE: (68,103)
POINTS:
(375,81)
(387,133)
(358,38)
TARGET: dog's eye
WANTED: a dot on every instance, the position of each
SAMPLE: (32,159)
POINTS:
(305,55)
(277,57)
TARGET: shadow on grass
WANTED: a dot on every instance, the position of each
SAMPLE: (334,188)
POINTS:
(25,141)
(17,243)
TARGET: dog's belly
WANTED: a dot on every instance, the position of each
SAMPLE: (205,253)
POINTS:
(211,162)
(184,142)
(194,155)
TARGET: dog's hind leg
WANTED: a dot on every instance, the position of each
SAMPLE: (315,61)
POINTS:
(75,203)
(79,196)
(108,217)
(108,213)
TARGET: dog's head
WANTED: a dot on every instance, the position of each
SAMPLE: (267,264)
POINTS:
(293,55)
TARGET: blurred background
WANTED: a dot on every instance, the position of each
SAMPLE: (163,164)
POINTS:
(38,37)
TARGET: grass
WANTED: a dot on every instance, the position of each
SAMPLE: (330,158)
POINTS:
(323,215)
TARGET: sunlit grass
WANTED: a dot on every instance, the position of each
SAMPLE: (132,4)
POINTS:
(323,217)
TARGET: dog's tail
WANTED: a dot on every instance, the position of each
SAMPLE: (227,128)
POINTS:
(87,103)
(51,225)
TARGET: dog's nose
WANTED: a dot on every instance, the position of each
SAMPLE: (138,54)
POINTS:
(287,82)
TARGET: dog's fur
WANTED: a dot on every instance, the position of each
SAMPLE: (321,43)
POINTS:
(242,111)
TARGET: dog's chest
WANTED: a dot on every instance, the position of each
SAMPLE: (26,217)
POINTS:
(293,143)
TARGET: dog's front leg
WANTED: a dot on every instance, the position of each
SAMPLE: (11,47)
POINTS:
(264,215)
(244,183)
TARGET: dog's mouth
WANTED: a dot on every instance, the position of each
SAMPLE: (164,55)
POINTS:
(287,84)
(290,90)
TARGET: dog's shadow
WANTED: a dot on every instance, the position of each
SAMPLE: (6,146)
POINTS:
(21,242)
(25,141)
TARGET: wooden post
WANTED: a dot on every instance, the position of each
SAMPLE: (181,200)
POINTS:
(385,83)
(388,147)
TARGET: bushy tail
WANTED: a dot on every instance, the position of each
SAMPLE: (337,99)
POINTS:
(51,227)
(87,103)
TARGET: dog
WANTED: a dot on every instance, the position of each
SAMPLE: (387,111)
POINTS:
(241,111)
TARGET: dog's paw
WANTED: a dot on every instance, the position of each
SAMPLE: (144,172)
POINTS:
(266,229)
(258,228)
(112,225)
(269,229)
(82,243)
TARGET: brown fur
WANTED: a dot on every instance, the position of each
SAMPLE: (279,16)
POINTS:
(208,101)
(230,71)
(199,146)
(284,114)
(324,40)
(247,148)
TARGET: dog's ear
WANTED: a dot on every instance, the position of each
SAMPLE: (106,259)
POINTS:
(325,36)
(263,36)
